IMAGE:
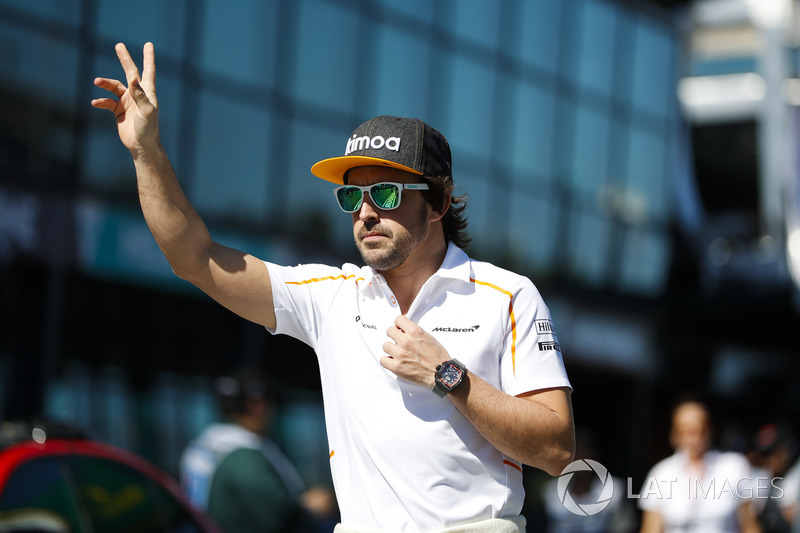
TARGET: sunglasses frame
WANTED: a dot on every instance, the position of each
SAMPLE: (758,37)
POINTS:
(367,189)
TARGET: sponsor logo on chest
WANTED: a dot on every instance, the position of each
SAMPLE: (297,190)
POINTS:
(364,324)
(447,329)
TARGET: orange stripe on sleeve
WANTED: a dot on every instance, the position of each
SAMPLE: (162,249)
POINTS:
(327,278)
(511,315)
(512,464)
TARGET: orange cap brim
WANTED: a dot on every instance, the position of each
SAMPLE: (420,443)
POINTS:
(334,169)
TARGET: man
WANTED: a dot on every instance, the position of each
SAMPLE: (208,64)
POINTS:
(697,489)
(239,476)
(441,375)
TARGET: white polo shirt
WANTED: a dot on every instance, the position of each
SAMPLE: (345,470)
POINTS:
(706,504)
(402,458)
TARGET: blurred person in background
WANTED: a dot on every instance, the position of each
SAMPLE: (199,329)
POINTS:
(234,472)
(441,375)
(773,451)
(698,489)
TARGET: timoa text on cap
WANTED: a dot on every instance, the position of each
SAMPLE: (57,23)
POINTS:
(405,143)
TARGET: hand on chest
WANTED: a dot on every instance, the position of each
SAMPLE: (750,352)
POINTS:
(469,331)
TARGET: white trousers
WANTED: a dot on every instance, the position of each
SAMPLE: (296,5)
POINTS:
(495,525)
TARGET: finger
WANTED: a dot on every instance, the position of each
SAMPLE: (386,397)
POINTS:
(149,67)
(114,86)
(403,323)
(394,333)
(392,349)
(130,68)
(388,363)
(105,103)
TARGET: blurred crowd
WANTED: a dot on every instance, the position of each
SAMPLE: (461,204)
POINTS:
(702,487)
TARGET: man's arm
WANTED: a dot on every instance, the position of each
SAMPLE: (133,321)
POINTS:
(651,522)
(748,523)
(237,280)
(535,428)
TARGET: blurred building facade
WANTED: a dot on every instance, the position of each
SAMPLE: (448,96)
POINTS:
(657,226)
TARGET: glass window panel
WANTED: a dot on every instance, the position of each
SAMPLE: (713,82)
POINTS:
(61,11)
(402,80)
(589,246)
(653,69)
(476,20)
(38,123)
(42,67)
(309,198)
(230,170)
(159,22)
(644,261)
(595,62)
(239,39)
(107,164)
(533,132)
(471,111)
(533,229)
(422,9)
(328,58)
(540,33)
(590,155)
(646,172)
(483,212)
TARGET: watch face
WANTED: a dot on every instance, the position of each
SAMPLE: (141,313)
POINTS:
(450,375)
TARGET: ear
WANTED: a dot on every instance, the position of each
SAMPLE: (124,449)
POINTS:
(438,214)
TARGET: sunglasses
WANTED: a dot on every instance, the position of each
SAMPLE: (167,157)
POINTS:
(384,195)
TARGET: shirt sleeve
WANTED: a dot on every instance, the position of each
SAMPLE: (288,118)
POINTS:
(531,357)
(302,296)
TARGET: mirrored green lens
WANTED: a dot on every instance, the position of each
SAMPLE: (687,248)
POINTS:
(385,195)
(349,198)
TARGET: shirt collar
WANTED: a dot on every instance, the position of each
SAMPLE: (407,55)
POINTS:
(455,266)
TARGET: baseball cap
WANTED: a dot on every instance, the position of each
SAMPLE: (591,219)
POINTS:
(397,142)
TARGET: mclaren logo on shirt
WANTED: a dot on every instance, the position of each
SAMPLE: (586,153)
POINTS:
(473,329)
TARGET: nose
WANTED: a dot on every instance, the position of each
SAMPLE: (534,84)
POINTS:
(368,211)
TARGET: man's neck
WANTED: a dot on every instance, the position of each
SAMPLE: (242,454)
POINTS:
(407,279)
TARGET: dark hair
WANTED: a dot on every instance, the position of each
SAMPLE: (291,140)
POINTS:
(234,391)
(454,221)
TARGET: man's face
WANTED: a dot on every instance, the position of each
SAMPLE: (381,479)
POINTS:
(690,429)
(385,239)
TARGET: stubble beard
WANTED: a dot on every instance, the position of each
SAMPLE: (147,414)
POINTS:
(388,255)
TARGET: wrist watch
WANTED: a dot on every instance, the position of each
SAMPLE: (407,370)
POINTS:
(449,375)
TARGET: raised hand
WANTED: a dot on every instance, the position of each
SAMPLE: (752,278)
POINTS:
(135,106)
